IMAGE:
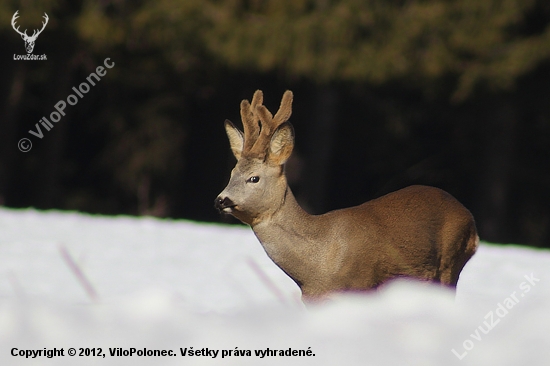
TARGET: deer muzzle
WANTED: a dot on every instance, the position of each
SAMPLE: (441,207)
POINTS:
(224,204)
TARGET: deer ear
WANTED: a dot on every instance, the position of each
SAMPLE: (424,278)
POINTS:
(281,145)
(236,138)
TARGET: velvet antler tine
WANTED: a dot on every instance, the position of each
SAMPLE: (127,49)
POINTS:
(266,119)
(257,99)
(250,120)
(250,125)
(285,110)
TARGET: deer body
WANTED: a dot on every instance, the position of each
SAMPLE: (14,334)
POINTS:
(420,232)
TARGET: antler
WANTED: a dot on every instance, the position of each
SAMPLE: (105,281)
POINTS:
(15,16)
(43,26)
(259,124)
(35,32)
(251,123)
(269,123)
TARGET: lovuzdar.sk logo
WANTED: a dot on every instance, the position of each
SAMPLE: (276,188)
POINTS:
(29,40)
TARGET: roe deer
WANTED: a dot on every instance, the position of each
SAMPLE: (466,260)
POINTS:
(419,231)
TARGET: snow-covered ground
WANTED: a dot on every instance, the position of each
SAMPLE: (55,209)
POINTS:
(110,284)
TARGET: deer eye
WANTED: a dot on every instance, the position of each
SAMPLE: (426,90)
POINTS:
(254,179)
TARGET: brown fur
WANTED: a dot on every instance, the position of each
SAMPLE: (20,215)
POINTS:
(420,232)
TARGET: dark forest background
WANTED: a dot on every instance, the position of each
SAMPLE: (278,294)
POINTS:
(387,93)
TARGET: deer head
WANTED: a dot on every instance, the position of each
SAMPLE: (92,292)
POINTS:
(258,185)
(29,40)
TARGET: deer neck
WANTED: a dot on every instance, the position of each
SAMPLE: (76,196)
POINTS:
(291,238)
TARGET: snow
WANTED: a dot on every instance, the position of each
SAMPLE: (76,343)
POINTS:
(82,281)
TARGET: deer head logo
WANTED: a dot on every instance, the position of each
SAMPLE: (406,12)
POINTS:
(29,40)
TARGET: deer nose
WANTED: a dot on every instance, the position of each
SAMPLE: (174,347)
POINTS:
(221,203)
